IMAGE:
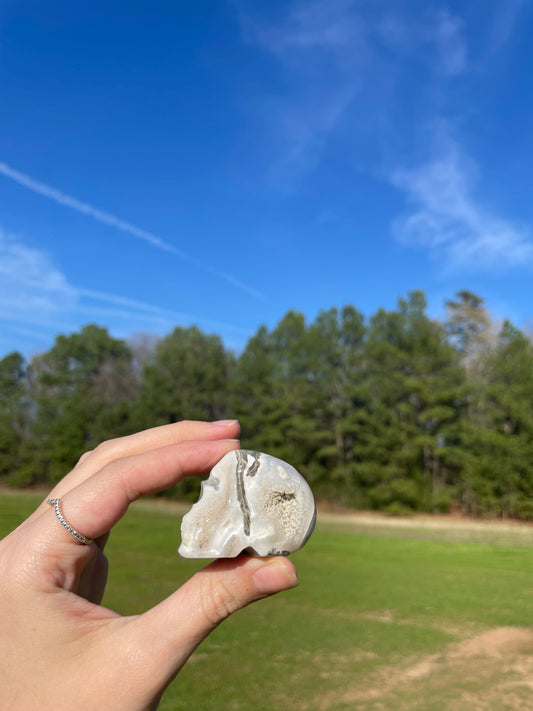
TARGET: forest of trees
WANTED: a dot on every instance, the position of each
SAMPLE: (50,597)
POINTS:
(397,413)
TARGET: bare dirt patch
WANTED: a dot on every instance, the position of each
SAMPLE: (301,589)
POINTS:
(496,643)
(387,617)
(490,671)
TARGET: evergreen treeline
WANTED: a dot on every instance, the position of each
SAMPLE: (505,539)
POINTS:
(400,413)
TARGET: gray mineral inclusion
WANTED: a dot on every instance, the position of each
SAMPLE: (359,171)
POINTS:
(251,502)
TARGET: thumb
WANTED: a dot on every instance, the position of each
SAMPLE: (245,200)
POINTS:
(175,627)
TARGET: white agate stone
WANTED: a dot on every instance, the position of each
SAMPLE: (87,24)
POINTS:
(251,502)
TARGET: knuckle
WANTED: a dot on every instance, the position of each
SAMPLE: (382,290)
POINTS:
(218,600)
(105,447)
(85,456)
(102,454)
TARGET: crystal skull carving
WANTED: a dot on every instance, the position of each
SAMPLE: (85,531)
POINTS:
(251,502)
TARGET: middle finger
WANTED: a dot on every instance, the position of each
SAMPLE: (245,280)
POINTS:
(145,441)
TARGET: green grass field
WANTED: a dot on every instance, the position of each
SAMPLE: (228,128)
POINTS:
(387,617)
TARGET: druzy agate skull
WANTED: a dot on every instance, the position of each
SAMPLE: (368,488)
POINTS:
(251,502)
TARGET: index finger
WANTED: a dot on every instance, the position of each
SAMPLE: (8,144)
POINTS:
(154,438)
(96,504)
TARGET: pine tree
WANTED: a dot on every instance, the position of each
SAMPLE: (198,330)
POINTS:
(13,412)
(185,378)
(407,446)
(498,468)
(336,347)
(65,385)
(469,328)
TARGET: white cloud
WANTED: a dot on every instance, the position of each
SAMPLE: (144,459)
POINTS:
(503,23)
(329,25)
(37,301)
(31,285)
(450,222)
(446,31)
(341,63)
(320,46)
(436,40)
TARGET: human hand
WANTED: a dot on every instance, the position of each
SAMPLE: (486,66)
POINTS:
(60,648)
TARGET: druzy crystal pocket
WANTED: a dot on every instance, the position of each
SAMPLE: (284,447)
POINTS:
(251,502)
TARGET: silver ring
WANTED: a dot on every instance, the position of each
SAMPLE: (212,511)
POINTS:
(66,525)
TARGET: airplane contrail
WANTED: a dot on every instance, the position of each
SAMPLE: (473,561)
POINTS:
(113,221)
(140,307)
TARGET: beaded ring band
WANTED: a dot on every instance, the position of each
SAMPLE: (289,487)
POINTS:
(66,525)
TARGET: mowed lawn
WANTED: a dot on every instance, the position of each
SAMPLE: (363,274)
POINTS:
(386,617)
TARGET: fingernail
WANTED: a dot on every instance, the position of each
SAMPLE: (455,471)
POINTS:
(224,423)
(275,576)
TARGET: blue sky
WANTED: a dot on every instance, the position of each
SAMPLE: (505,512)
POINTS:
(219,163)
